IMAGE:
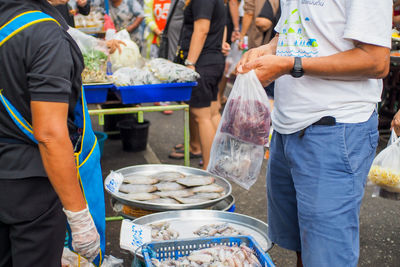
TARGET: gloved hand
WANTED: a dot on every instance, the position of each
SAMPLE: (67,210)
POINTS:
(85,238)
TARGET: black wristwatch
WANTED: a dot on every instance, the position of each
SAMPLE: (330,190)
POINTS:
(297,70)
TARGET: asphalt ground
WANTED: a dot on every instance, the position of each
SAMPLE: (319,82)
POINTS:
(379,218)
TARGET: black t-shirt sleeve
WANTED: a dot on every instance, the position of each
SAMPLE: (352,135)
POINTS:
(51,65)
(203,9)
(267,12)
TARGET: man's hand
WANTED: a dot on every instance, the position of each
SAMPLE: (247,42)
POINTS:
(114,45)
(81,3)
(85,238)
(226,48)
(253,54)
(396,123)
(268,67)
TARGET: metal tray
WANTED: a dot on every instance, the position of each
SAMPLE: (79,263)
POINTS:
(187,221)
(150,169)
(224,205)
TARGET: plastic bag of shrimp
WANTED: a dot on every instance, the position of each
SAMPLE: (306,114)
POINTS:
(238,147)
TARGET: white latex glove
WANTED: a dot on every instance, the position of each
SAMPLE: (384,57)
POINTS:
(85,238)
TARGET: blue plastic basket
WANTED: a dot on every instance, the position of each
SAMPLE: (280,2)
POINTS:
(155,92)
(175,249)
(96,93)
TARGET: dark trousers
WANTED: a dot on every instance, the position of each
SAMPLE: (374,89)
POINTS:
(32,223)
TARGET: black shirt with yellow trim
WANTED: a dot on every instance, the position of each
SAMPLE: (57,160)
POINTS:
(40,63)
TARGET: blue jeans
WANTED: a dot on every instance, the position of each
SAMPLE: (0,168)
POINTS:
(315,184)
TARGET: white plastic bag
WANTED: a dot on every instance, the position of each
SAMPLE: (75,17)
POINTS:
(233,58)
(385,170)
(238,147)
(130,54)
(169,72)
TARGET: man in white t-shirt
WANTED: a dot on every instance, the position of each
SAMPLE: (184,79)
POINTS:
(328,62)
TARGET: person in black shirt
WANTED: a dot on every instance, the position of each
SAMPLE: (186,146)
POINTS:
(201,42)
(40,75)
(68,13)
(268,18)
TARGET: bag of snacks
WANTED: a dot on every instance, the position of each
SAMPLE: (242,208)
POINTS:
(238,148)
(385,170)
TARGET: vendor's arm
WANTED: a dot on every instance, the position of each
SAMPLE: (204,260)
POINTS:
(199,36)
(49,121)
(363,61)
(83,7)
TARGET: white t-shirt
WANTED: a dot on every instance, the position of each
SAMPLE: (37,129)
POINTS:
(317,28)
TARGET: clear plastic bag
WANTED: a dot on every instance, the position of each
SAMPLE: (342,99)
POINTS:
(385,170)
(233,58)
(130,54)
(238,147)
(95,54)
(134,76)
(169,72)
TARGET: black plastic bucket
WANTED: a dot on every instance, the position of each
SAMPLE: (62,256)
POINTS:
(134,134)
(110,121)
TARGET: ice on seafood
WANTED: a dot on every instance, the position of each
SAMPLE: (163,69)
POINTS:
(196,180)
(137,188)
(139,179)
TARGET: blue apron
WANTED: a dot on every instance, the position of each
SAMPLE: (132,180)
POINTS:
(87,156)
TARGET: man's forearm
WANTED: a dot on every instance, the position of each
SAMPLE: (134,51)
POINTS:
(355,63)
(58,160)
(49,122)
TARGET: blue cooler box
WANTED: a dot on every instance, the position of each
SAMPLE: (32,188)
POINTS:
(155,92)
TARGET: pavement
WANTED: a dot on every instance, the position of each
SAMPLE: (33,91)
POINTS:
(379,218)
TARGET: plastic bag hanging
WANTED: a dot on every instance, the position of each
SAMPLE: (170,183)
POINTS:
(385,170)
(238,147)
